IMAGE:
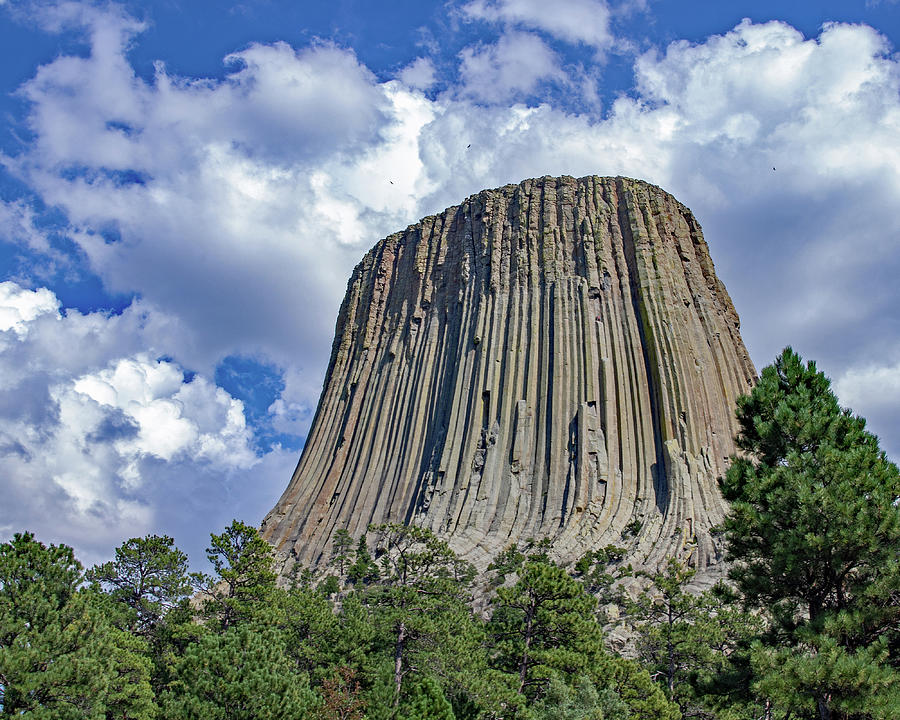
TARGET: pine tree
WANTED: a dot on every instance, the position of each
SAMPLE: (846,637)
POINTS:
(670,624)
(544,634)
(341,696)
(341,549)
(542,624)
(814,534)
(149,576)
(420,608)
(363,571)
(241,673)
(580,701)
(244,578)
(129,692)
(59,657)
(426,701)
(313,631)
(690,641)
(599,570)
(632,683)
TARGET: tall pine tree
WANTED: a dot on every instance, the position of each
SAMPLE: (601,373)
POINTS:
(59,656)
(245,576)
(420,609)
(543,625)
(149,576)
(814,535)
(241,673)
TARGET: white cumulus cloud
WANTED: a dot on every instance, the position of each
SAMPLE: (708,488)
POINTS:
(575,21)
(419,74)
(171,417)
(511,67)
(233,205)
(91,439)
(19,306)
(874,390)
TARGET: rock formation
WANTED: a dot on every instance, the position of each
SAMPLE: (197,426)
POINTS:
(551,359)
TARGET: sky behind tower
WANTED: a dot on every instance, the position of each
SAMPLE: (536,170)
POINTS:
(186,187)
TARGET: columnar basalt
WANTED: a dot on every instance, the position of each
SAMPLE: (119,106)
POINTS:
(551,359)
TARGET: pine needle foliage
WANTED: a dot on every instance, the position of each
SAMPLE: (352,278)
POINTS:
(814,535)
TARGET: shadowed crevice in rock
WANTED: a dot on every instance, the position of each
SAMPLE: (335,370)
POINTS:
(550,359)
(629,233)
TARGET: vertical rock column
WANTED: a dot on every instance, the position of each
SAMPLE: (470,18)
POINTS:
(550,359)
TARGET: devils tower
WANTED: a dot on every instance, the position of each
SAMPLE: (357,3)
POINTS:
(554,359)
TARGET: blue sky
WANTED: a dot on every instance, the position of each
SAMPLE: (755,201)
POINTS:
(185,188)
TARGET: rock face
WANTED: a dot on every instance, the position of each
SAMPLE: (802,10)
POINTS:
(551,359)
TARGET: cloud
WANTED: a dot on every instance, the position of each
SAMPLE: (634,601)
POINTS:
(807,250)
(170,417)
(17,222)
(575,21)
(18,306)
(794,144)
(419,74)
(873,385)
(91,440)
(510,68)
(230,204)
(876,388)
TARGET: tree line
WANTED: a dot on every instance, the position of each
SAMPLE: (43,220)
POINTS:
(399,626)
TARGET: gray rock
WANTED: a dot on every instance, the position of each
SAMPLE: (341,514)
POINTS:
(550,359)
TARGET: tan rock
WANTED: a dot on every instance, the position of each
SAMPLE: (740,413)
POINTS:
(550,359)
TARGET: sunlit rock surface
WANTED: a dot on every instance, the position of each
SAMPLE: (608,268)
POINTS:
(551,359)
